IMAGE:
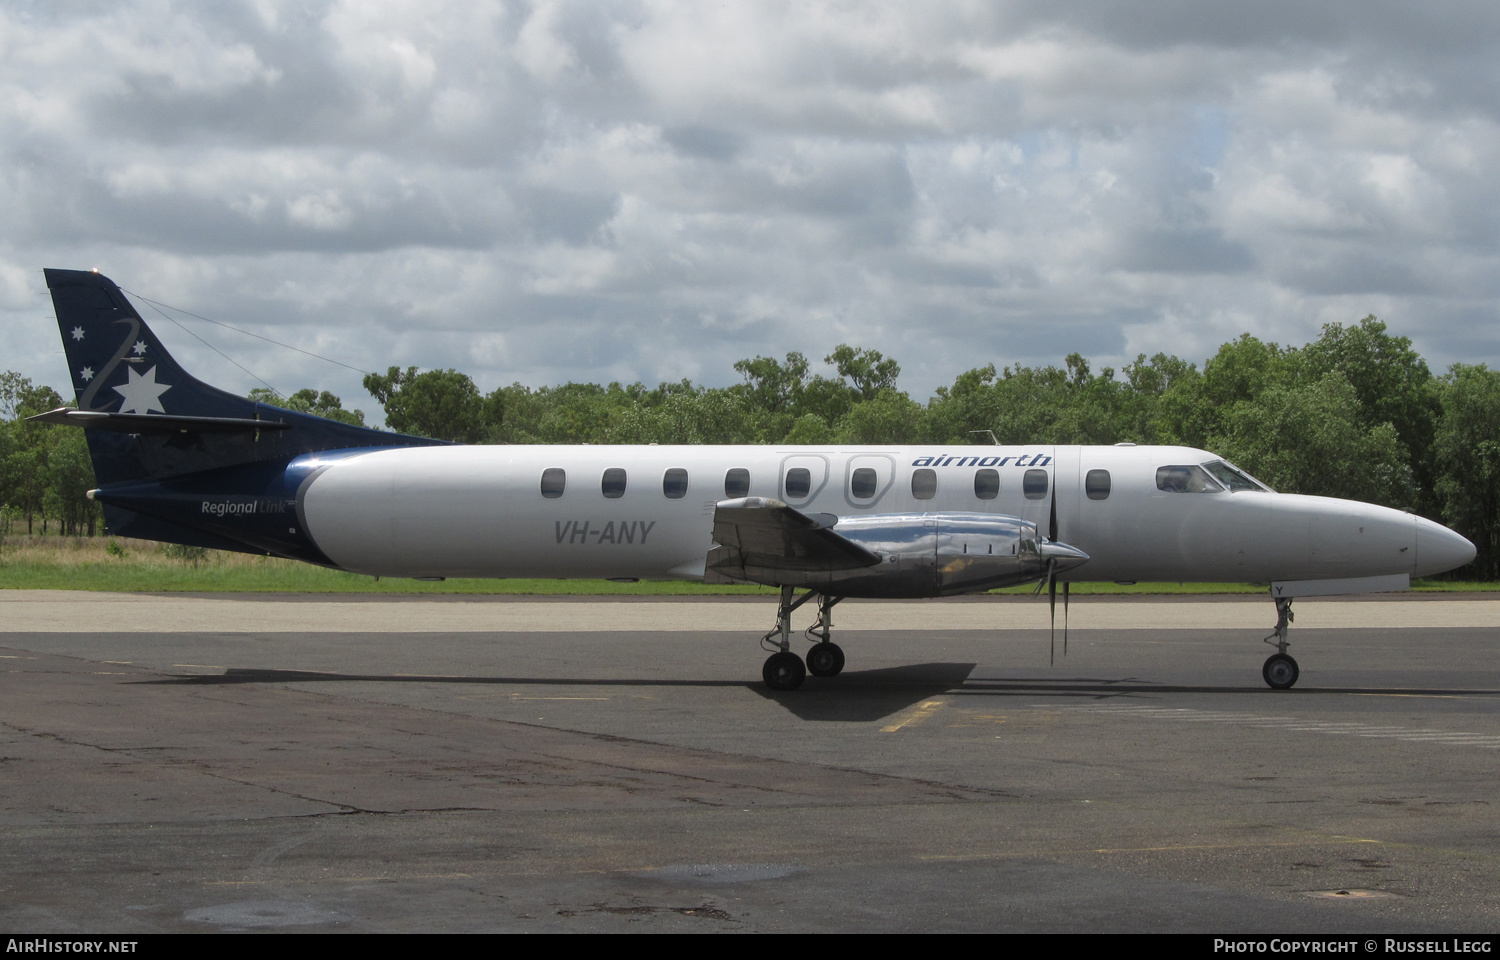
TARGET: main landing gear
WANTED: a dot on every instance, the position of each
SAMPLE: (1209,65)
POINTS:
(784,670)
(1280,670)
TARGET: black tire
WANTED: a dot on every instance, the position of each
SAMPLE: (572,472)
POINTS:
(1280,671)
(825,659)
(783,671)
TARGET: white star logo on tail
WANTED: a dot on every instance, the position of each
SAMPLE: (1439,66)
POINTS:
(77,333)
(142,393)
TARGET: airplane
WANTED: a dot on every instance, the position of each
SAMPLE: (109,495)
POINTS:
(179,461)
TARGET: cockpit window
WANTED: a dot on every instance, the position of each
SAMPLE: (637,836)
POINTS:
(1185,478)
(1232,477)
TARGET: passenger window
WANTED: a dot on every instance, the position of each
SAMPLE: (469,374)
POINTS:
(674,483)
(614,483)
(554,479)
(798,483)
(862,484)
(1096,485)
(924,484)
(737,483)
(987,484)
(1184,478)
(1034,484)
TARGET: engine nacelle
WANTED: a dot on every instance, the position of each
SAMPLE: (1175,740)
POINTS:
(941,554)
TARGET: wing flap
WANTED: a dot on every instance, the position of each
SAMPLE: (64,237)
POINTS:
(765,541)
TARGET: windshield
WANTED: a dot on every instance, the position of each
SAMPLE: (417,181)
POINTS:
(1233,477)
(1185,478)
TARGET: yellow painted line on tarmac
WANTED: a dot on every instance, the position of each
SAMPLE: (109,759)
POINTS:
(915,716)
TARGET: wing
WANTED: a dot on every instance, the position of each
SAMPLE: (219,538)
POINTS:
(765,541)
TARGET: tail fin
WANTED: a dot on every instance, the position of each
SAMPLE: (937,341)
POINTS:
(150,419)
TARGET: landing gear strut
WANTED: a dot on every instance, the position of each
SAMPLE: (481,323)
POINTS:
(1280,670)
(784,670)
(825,659)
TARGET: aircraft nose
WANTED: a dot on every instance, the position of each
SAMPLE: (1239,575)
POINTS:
(1440,549)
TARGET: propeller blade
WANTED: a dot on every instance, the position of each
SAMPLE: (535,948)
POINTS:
(1052,579)
(1052,602)
(1065,617)
(1052,514)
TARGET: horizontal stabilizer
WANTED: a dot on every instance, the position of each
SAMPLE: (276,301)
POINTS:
(757,537)
(153,423)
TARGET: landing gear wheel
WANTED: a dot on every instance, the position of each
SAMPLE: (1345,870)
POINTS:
(1280,671)
(825,659)
(783,671)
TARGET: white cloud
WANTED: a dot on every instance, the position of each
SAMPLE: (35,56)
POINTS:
(583,190)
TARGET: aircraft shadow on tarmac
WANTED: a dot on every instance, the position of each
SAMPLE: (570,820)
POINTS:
(854,696)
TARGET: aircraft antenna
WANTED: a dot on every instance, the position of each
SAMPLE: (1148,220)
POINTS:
(210,346)
(219,323)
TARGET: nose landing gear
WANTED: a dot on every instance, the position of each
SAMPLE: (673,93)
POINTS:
(1280,670)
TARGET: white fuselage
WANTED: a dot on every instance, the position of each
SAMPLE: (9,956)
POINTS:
(480,511)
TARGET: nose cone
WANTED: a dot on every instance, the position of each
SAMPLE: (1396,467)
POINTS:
(1067,557)
(1439,549)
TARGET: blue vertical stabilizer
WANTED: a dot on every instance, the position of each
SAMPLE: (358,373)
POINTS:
(172,453)
(150,418)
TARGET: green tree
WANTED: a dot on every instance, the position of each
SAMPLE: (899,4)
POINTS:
(442,404)
(868,371)
(570,413)
(772,386)
(1241,371)
(810,428)
(1389,378)
(309,400)
(889,417)
(1311,438)
(1159,391)
(9,445)
(69,475)
(26,465)
(12,388)
(1467,454)
(706,416)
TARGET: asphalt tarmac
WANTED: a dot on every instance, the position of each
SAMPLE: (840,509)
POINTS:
(375,765)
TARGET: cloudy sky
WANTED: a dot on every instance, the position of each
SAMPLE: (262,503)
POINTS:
(547,191)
